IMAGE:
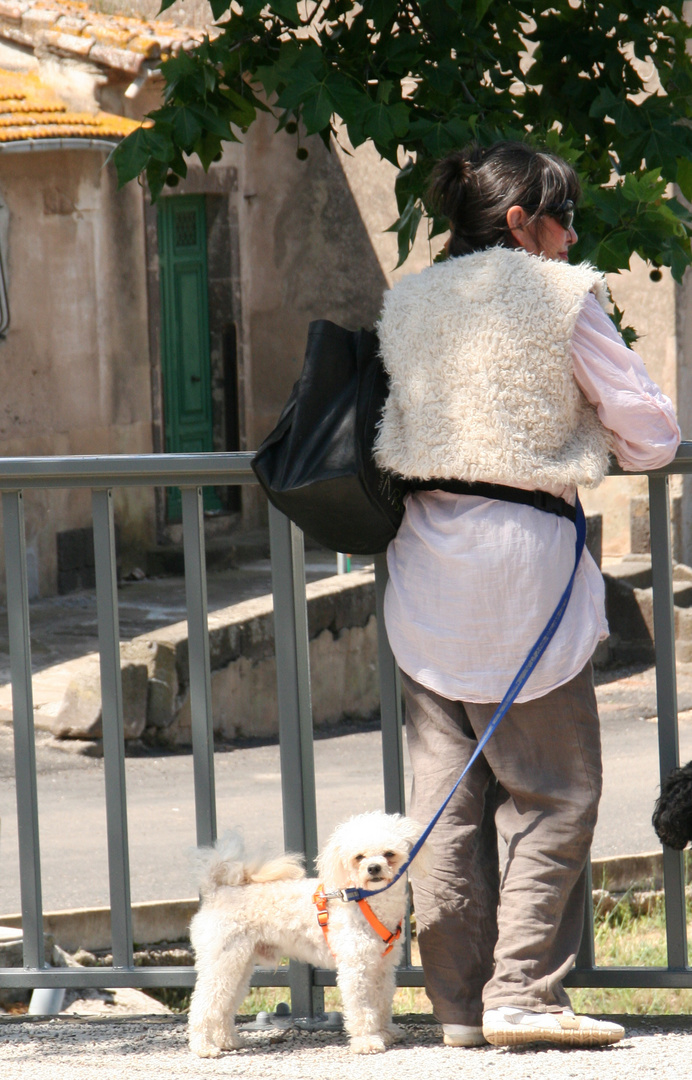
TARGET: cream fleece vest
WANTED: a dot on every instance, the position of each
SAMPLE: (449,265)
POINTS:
(478,353)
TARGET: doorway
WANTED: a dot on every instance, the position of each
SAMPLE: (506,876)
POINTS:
(185,346)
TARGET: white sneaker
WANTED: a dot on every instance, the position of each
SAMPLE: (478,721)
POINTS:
(508,1026)
(463,1035)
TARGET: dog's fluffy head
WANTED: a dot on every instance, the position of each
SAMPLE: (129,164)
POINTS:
(672,817)
(369,849)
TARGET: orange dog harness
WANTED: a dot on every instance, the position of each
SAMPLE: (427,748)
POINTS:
(321,902)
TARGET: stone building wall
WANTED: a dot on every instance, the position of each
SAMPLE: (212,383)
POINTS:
(75,359)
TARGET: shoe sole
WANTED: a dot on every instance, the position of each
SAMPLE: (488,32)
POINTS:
(502,1036)
(467,1041)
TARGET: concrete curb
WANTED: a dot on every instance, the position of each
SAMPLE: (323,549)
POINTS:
(623,872)
(168,920)
(90,928)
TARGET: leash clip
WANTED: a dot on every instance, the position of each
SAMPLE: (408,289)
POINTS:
(351,893)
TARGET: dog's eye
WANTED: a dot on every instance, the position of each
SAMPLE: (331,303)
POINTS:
(390,855)
(359,858)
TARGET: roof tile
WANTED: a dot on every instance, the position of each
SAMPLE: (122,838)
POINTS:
(31,110)
(38,19)
(110,35)
(71,24)
(122,59)
(73,44)
(11,11)
(122,42)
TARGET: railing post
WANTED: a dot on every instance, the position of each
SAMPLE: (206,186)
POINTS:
(666,695)
(113,727)
(390,703)
(202,722)
(390,719)
(295,720)
(23,723)
(586,957)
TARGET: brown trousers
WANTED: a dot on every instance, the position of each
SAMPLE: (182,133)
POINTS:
(486,943)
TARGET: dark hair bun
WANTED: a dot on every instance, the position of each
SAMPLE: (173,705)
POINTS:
(449,184)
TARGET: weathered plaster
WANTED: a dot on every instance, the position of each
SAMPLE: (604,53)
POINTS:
(75,362)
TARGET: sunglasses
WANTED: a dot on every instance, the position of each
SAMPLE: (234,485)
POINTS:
(564,213)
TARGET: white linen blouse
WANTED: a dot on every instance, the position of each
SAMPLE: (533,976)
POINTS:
(473,581)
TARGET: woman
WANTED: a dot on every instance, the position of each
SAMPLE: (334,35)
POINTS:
(505,369)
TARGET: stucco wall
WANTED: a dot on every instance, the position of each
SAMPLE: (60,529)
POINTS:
(75,361)
(306,254)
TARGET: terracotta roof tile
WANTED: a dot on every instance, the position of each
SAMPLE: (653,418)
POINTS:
(31,110)
(75,44)
(11,12)
(72,28)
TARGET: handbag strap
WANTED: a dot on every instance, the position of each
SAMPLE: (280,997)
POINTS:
(542,500)
(534,654)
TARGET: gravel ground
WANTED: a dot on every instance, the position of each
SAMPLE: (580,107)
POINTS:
(78,1049)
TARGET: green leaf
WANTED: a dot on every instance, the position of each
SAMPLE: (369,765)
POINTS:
(207,148)
(684,177)
(318,109)
(386,123)
(613,253)
(300,84)
(165,4)
(628,333)
(186,127)
(157,172)
(218,8)
(132,155)
(287,9)
(406,228)
(481,9)
(252,8)
(243,112)
(160,143)
(682,212)
(619,109)
(350,101)
(380,12)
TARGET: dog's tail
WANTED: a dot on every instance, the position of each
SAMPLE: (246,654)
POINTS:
(227,864)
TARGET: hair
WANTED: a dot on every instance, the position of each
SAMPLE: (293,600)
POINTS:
(474,188)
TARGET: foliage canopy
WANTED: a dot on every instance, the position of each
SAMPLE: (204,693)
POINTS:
(606,84)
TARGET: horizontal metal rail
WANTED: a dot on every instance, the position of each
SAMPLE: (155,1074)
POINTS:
(191,472)
(126,470)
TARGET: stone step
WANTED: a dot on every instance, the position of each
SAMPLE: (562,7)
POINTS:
(155,672)
(222,552)
(629,607)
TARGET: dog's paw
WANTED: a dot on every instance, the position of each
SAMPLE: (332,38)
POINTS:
(394,1034)
(204,1048)
(368,1044)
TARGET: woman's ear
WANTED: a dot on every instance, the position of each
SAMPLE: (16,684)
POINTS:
(524,235)
(516,223)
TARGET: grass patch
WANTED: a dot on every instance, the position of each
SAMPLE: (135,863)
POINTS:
(621,937)
(407,999)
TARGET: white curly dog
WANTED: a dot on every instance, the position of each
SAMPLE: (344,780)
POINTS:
(253,912)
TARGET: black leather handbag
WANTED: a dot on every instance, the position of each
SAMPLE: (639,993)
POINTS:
(316,465)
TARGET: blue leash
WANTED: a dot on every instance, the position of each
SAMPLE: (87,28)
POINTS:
(535,653)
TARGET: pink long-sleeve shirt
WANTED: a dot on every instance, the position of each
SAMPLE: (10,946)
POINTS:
(473,581)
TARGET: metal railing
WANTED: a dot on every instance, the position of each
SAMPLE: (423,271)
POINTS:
(190,472)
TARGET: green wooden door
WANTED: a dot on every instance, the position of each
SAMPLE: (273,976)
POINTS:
(185,358)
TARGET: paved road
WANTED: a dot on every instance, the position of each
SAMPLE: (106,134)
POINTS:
(161,810)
